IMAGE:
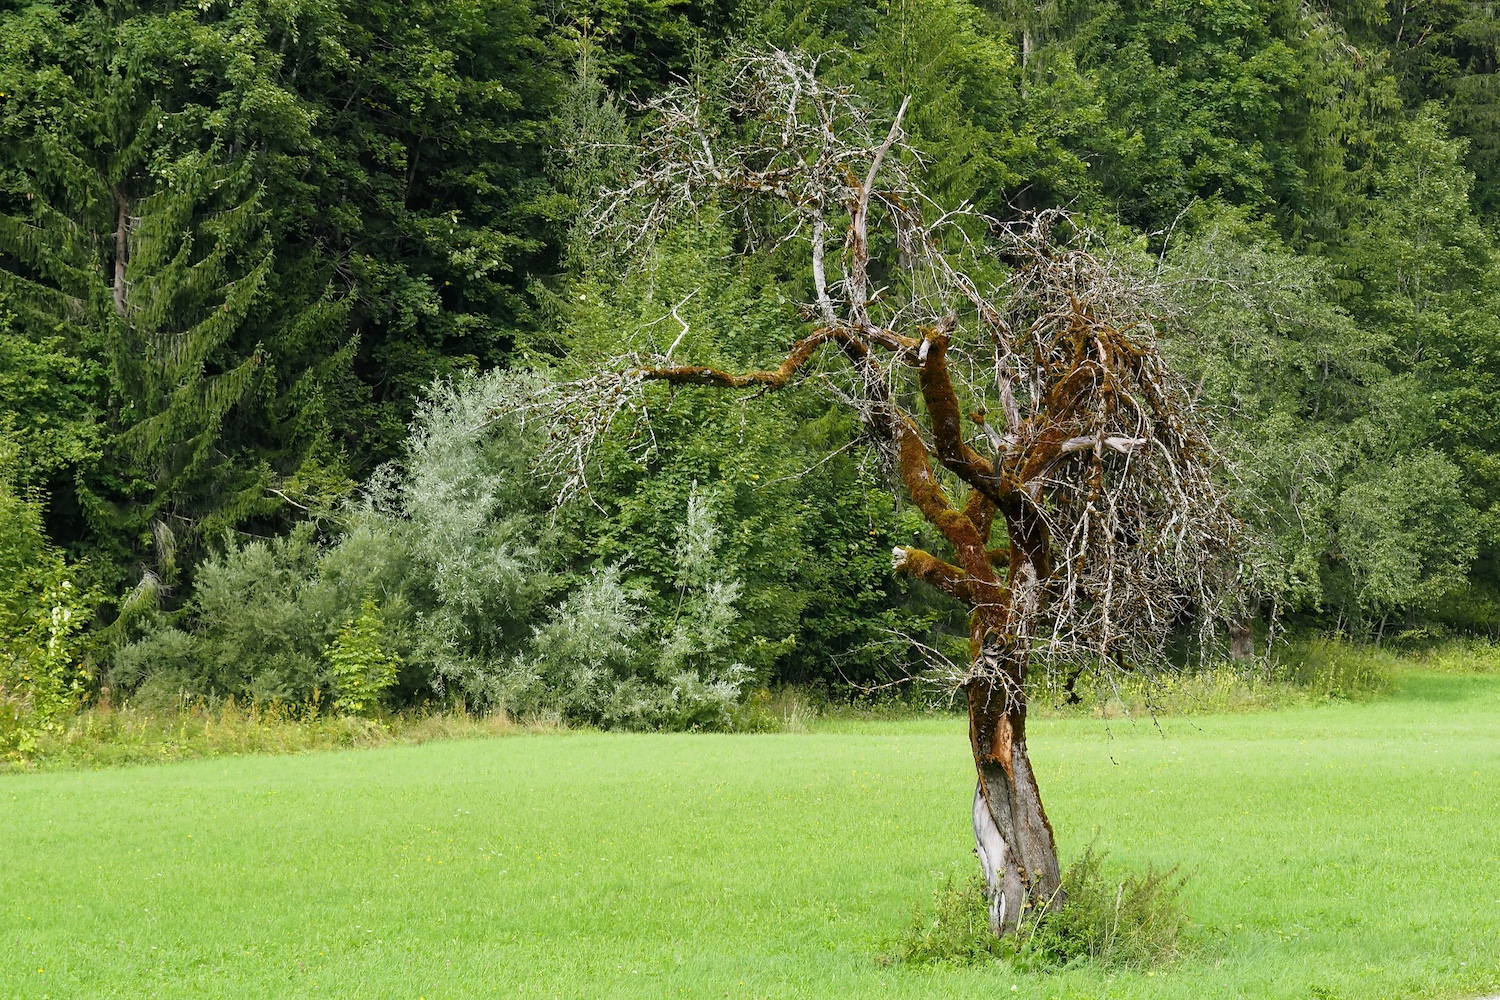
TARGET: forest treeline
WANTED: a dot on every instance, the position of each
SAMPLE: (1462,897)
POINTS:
(275,277)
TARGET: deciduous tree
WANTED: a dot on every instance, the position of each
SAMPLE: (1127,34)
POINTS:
(1009,378)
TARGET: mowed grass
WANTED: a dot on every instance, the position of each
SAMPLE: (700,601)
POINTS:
(1345,851)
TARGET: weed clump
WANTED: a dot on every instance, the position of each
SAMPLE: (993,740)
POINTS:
(1109,919)
(785,710)
(956,932)
(1330,669)
(104,736)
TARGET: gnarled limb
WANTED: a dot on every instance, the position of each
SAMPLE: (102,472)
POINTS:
(928,568)
(1095,469)
(980,510)
(774,378)
(946,417)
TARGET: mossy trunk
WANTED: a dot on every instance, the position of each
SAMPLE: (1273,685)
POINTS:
(1011,833)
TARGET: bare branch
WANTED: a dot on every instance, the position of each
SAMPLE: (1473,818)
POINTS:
(1115,534)
(859,227)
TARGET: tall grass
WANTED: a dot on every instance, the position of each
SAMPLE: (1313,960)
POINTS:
(105,735)
(1305,672)
(787,709)
(1328,669)
(1111,918)
(1460,656)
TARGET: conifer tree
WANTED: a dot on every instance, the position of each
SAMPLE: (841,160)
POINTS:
(133,237)
(161,294)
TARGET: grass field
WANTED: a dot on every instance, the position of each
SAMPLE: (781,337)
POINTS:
(1348,851)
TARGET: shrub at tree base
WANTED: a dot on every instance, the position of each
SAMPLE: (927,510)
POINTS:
(1120,919)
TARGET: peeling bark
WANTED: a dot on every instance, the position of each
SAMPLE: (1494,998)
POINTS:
(1012,834)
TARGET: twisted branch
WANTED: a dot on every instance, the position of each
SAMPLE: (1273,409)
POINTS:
(1115,533)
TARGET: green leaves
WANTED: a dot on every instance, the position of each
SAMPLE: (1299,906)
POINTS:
(44,608)
(162,302)
(363,669)
(1354,389)
(268,225)
(1407,535)
(327,205)
(48,420)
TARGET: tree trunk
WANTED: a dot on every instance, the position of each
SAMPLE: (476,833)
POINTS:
(1025,58)
(1242,633)
(122,250)
(1241,640)
(1011,832)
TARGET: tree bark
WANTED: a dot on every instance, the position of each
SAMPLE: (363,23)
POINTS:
(1242,633)
(1241,641)
(1012,835)
(122,249)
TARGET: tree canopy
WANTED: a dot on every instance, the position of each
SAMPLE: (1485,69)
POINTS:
(253,255)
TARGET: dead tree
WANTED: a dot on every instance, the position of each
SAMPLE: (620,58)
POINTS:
(1010,378)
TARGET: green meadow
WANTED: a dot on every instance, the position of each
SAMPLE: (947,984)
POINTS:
(1345,851)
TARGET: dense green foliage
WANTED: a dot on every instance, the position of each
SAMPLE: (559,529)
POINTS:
(616,865)
(259,228)
(44,609)
(252,255)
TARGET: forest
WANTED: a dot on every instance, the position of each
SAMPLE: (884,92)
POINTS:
(281,282)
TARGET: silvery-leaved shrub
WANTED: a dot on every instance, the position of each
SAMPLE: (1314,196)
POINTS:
(444,582)
(602,657)
(468,499)
(444,543)
(579,657)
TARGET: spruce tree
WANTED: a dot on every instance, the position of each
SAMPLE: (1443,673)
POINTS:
(162,295)
(131,237)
